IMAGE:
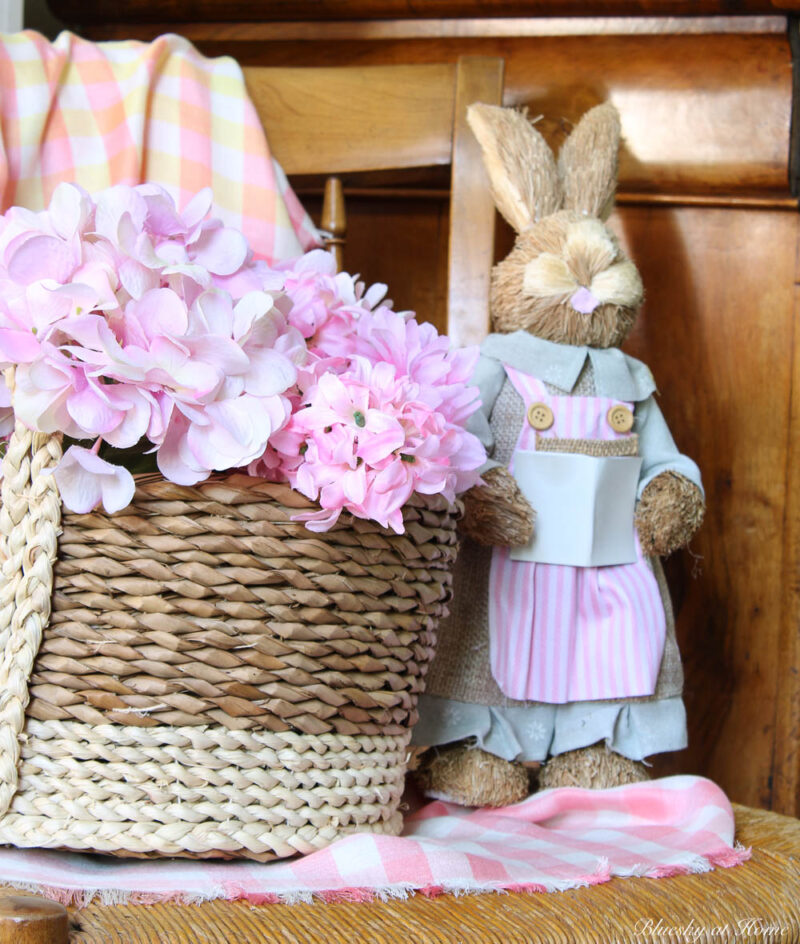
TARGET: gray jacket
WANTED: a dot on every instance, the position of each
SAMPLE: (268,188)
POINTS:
(615,374)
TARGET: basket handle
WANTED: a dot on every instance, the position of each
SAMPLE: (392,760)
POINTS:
(30,521)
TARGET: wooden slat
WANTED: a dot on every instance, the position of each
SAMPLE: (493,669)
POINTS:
(512,27)
(734,201)
(197,10)
(471,244)
(375,118)
(701,115)
(350,119)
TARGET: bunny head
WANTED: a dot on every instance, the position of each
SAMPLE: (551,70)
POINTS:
(566,279)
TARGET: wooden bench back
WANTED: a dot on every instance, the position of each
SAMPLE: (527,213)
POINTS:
(373,118)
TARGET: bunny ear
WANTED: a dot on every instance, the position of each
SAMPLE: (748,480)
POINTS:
(521,166)
(587,163)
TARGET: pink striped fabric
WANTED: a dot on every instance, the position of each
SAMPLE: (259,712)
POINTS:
(554,840)
(561,634)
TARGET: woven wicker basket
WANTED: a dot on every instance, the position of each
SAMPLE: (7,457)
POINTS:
(214,678)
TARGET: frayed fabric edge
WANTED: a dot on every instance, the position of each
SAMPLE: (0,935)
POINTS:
(691,864)
(82,898)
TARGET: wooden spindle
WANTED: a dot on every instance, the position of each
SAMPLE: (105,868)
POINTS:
(334,219)
(29,919)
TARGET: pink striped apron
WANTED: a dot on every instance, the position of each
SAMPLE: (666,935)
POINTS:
(560,633)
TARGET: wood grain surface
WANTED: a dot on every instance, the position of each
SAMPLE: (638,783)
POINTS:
(717,332)
(404,117)
(786,760)
(401,116)
(510,27)
(721,309)
(31,919)
(470,251)
(749,899)
(248,10)
(700,114)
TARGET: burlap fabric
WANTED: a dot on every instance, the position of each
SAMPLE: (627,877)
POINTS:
(216,679)
(461,670)
(597,448)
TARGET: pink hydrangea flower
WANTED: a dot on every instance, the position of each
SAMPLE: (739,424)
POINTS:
(382,408)
(130,321)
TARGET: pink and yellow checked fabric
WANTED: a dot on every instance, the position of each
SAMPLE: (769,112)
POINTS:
(124,112)
(554,840)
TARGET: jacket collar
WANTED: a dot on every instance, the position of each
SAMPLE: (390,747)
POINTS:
(615,373)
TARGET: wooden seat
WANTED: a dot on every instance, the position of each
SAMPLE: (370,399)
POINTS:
(377,118)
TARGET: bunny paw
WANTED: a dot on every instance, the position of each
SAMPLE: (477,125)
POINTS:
(497,513)
(670,511)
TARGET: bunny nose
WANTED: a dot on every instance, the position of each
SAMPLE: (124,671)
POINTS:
(583,301)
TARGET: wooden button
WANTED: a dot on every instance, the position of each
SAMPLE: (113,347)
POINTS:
(540,416)
(29,919)
(620,419)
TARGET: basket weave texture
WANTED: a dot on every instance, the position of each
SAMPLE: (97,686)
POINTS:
(214,678)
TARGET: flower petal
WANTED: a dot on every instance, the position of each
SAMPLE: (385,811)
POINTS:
(70,209)
(43,257)
(221,250)
(84,480)
(160,312)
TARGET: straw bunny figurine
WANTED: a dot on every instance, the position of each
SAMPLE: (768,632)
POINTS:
(561,641)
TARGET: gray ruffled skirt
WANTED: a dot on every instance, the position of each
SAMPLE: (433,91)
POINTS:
(462,699)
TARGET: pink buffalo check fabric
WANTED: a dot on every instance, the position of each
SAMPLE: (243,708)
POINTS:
(554,840)
(99,114)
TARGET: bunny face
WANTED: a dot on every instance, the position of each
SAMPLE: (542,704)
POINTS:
(567,280)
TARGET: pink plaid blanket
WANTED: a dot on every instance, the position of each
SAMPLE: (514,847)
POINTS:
(554,840)
(100,114)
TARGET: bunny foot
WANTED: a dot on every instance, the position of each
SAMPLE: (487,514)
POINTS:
(469,776)
(596,767)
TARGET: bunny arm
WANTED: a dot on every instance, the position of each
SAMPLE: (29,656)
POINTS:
(495,513)
(669,513)
(671,500)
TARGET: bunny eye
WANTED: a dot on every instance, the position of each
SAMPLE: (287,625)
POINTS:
(548,275)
